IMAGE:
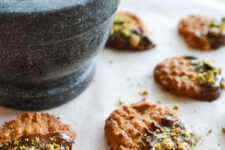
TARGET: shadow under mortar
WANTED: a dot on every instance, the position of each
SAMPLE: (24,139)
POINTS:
(48,49)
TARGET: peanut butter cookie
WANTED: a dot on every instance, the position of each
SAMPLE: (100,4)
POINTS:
(146,126)
(36,132)
(129,33)
(203,32)
(189,76)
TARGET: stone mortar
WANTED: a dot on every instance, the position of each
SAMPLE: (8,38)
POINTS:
(48,49)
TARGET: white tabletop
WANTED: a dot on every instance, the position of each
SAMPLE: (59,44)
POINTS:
(125,74)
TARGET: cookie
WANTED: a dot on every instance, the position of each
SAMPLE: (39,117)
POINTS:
(203,32)
(146,126)
(36,132)
(129,33)
(194,30)
(191,77)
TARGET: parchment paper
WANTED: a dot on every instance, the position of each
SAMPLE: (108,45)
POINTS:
(125,74)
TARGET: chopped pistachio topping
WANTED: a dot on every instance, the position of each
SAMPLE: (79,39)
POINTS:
(217,26)
(201,79)
(121,101)
(125,32)
(127,29)
(167,143)
(195,139)
(209,63)
(67,148)
(135,40)
(122,26)
(207,73)
(171,138)
(118,19)
(34,143)
(176,107)
(158,147)
(210,77)
(222,84)
(50,147)
(186,134)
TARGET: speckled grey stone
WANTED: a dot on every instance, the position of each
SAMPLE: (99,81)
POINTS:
(48,49)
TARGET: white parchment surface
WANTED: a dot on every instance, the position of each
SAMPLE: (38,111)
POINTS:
(125,74)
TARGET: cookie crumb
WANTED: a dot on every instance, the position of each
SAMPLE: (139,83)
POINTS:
(144,93)
(195,139)
(209,132)
(176,107)
(159,102)
(223,129)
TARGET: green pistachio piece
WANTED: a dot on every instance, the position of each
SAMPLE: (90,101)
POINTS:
(222,84)
(222,28)
(201,70)
(218,71)
(116,28)
(135,40)
(168,144)
(129,26)
(118,19)
(223,19)
(125,32)
(209,63)
(112,32)
(201,79)
(210,75)
(67,148)
(212,81)
(195,139)
(214,24)
(158,147)
(56,145)
(214,30)
(186,134)
(50,147)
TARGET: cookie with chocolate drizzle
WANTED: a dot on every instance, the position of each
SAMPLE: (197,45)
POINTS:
(36,132)
(203,32)
(146,126)
(191,77)
(129,33)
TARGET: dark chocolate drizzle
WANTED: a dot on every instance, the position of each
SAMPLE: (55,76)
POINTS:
(190,57)
(152,137)
(40,142)
(216,37)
